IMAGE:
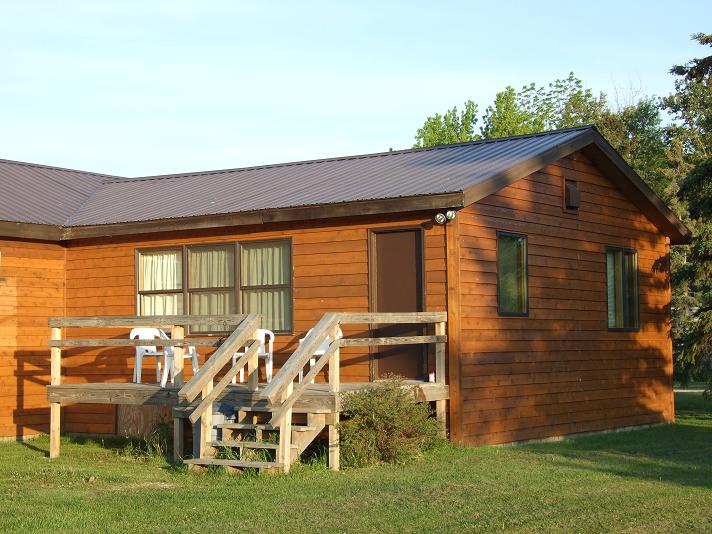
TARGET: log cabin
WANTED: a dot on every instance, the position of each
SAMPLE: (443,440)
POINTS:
(521,285)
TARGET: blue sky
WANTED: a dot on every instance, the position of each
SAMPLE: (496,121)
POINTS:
(148,87)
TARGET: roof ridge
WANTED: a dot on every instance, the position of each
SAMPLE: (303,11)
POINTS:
(55,168)
(343,158)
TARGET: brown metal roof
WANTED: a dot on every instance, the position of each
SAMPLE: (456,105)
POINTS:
(407,173)
(80,201)
(40,194)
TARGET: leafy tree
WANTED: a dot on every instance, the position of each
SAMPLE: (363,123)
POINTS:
(697,70)
(452,127)
(506,117)
(636,132)
(690,155)
(564,103)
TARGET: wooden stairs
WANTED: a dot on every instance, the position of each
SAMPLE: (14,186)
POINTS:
(275,423)
(251,442)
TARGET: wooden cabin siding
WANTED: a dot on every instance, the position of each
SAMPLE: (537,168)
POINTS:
(330,273)
(560,370)
(31,291)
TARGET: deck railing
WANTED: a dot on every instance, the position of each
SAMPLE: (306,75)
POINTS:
(175,323)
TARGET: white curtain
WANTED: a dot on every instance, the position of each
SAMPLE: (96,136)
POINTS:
(273,304)
(160,270)
(211,303)
(266,264)
(170,304)
(211,267)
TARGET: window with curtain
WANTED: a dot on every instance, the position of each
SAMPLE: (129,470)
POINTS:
(511,274)
(622,289)
(211,282)
(265,282)
(213,287)
(160,282)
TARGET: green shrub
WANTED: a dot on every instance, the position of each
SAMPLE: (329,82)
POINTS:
(385,424)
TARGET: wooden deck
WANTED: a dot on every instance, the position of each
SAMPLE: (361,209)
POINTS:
(317,398)
(258,408)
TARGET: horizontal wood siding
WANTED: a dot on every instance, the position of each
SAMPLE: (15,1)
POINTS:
(560,371)
(330,269)
(31,291)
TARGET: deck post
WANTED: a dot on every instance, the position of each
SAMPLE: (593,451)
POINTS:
(285,433)
(178,332)
(440,405)
(253,370)
(206,422)
(54,407)
(335,388)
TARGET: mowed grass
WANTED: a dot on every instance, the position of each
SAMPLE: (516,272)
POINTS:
(651,480)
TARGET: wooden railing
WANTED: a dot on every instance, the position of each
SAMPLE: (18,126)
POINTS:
(175,323)
(282,393)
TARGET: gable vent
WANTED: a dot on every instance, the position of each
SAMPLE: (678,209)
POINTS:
(572,195)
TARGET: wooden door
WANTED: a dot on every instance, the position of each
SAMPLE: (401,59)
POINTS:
(396,269)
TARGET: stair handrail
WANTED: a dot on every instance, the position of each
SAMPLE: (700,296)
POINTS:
(276,390)
(298,389)
(244,332)
(207,401)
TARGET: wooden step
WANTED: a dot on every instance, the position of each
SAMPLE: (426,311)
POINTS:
(232,463)
(245,444)
(262,426)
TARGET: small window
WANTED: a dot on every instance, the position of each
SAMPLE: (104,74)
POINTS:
(622,289)
(160,282)
(572,196)
(265,282)
(512,274)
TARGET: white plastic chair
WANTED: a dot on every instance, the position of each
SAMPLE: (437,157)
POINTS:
(151,350)
(147,350)
(319,351)
(190,353)
(265,351)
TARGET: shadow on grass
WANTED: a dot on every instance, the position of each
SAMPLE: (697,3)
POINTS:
(678,453)
(33,447)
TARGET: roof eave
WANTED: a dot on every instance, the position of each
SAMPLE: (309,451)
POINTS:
(25,230)
(277,215)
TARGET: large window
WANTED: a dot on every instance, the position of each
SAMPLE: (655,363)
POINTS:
(622,289)
(511,274)
(249,277)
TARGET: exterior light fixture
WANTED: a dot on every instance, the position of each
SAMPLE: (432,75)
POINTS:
(440,218)
(450,214)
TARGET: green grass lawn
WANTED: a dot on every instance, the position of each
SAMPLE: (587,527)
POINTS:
(652,480)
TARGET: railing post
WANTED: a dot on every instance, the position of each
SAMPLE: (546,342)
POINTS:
(206,421)
(334,387)
(440,348)
(178,332)
(54,407)
(253,370)
(285,433)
